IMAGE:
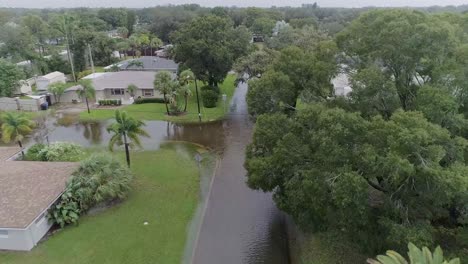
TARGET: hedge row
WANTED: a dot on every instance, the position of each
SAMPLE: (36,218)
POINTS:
(149,100)
(110,102)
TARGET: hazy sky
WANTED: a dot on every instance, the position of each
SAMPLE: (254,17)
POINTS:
(243,3)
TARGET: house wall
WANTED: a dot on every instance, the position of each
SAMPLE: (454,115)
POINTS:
(16,239)
(25,239)
(67,97)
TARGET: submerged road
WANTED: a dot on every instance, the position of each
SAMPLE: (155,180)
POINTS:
(240,225)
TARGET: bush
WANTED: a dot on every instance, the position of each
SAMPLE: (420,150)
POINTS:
(84,74)
(209,98)
(60,151)
(99,179)
(35,153)
(150,101)
(211,88)
(115,102)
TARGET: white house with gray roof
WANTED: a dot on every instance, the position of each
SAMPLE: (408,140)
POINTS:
(113,85)
(148,63)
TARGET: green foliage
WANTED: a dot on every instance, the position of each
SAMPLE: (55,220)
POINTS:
(10,77)
(58,151)
(209,98)
(348,173)
(416,256)
(263,26)
(99,179)
(149,101)
(88,91)
(209,45)
(114,102)
(35,152)
(65,211)
(274,92)
(57,89)
(255,63)
(15,126)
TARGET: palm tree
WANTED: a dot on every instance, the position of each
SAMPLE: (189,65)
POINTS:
(124,129)
(164,84)
(185,78)
(15,126)
(87,91)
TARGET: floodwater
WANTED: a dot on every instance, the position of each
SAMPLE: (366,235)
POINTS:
(239,225)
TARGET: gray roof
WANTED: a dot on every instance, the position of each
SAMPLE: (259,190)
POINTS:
(151,64)
(122,79)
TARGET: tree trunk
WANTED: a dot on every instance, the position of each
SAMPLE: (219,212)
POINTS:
(198,101)
(165,102)
(87,104)
(127,152)
(70,59)
(186,101)
(21,147)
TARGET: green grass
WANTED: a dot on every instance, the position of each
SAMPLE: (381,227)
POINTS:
(158,111)
(165,193)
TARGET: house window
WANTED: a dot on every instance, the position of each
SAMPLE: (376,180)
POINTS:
(148,92)
(117,91)
(3,233)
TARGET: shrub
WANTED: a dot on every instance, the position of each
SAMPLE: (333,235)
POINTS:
(60,151)
(99,179)
(149,100)
(211,88)
(84,74)
(35,153)
(65,211)
(209,98)
(110,102)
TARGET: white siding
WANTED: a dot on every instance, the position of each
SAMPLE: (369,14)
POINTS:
(16,239)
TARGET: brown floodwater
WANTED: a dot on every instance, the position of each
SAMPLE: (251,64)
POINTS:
(234,223)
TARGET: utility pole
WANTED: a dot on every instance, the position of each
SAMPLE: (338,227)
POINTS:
(91,58)
(198,100)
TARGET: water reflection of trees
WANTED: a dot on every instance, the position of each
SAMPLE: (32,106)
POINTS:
(92,131)
(210,135)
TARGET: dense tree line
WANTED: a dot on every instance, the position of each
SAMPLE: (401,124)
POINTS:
(385,165)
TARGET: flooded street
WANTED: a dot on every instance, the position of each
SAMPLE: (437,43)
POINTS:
(239,225)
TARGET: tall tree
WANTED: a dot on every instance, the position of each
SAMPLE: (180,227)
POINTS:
(209,45)
(15,126)
(10,77)
(126,131)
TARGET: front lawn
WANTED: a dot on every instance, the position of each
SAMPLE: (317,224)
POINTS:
(165,194)
(156,111)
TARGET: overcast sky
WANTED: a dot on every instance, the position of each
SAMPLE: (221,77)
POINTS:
(243,3)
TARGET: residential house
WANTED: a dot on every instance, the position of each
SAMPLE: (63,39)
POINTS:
(113,85)
(148,63)
(28,190)
(43,82)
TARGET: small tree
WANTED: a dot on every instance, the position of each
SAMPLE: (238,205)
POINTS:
(87,91)
(57,89)
(163,83)
(124,129)
(155,43)
(136,63)
(15,126)
(132,89)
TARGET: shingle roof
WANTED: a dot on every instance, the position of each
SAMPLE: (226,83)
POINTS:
(151,63)
(142,79)
(28,188)
(8,152)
